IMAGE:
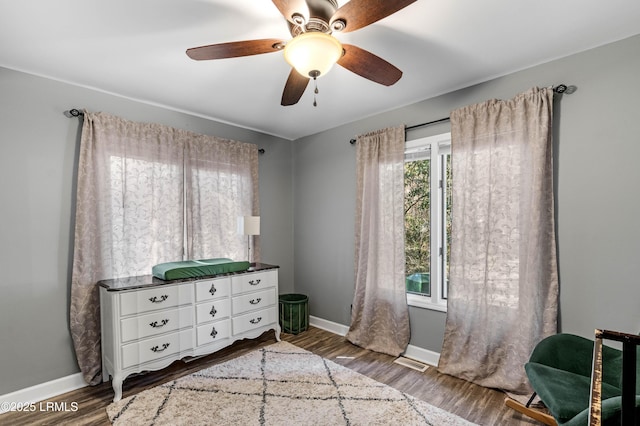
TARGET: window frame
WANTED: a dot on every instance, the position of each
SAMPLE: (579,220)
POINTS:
(437,147)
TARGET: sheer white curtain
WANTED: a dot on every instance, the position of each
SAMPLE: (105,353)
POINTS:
(503,289)
(380,316)
(222,184)
(130,212)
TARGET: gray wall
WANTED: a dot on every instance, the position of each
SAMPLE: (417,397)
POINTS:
(597,177)
(38,154)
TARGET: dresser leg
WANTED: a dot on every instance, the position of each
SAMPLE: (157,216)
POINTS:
(277,330)
(116,382)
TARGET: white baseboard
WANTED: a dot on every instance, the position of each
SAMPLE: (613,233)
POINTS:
(333,327)
(42,391)
(414,352)
(423,355)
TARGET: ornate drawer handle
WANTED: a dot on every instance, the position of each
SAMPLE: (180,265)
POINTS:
(213,311)
(214,332)
(157,348)
(254,282)
(162,323)
(213,290)
(155,299)
(255,301)
(255,320)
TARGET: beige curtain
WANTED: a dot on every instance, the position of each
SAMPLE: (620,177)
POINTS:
(130,212)
(380,316)
(503,289)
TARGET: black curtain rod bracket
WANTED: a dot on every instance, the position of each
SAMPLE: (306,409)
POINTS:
(74,112)
(559,89)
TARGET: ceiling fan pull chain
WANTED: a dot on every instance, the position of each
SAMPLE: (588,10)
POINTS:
(315,92)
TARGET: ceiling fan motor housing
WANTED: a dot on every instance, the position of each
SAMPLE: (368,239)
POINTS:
(320,13)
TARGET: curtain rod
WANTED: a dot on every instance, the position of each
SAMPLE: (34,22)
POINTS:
(559,89)
(74,112)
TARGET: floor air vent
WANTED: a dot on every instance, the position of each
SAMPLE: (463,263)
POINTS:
(415,365)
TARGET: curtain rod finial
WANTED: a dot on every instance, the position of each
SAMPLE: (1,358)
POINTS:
(563,88)
(74,112)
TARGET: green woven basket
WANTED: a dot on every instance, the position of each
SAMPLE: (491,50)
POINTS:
(294,312)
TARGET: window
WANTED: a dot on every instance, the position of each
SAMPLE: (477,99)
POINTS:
(182,206)
(427,219)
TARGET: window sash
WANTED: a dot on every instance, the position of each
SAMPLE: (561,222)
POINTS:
(436,149)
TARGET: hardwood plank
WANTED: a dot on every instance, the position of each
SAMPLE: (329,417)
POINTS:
(474,403)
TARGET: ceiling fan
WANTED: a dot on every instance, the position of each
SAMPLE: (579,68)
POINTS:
(313,50)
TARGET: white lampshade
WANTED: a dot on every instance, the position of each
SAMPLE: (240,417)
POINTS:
(249,225)
(313,53)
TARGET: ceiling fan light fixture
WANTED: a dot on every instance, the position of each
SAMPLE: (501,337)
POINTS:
(313,53)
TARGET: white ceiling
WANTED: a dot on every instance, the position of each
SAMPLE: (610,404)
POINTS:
(136,49)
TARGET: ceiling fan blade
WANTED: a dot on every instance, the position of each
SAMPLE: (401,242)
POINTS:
(368,65)
(235,49)
(294,88)
(289,8)
(360,13)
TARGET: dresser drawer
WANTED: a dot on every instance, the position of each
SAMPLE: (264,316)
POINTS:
(213,332)
(158,322)
(212,289)
(252,282)
(256,300)
(156,348)
(210,311)
(254,320)
(161,297)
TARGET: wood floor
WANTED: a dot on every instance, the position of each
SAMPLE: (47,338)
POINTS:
(474,403)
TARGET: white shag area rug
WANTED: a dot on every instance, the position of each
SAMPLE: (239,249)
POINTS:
(280,384)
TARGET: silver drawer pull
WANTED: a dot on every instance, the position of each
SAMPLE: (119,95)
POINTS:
(214,332)
(157,348)
(254,282)
(255,320)
(213,311)
(213,290)
(157,324)
(155,299)
(255,301)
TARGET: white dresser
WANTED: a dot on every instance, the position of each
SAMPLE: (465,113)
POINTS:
(148,323)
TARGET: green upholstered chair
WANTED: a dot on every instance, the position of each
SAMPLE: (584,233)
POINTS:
(560,370)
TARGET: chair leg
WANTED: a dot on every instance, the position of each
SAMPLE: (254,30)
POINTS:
(531,412)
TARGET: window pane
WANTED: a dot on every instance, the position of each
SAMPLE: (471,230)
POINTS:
(447,197)
(417,203)
(146,215)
